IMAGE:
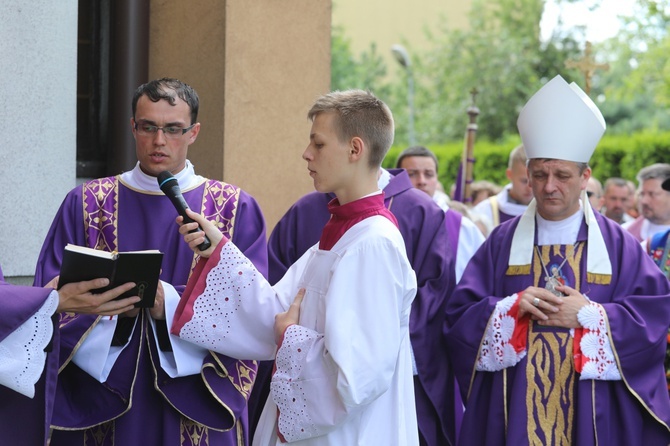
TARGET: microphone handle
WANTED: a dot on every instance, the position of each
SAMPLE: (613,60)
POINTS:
(204,246)
(181,206)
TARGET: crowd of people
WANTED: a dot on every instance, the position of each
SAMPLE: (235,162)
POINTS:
(377,312)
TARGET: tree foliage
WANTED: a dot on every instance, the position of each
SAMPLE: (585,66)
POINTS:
(366,72)
(636,89)
(500,53)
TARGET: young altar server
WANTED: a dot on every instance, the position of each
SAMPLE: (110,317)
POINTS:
(343,364)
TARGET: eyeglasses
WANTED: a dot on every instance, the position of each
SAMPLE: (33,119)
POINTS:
(172,132)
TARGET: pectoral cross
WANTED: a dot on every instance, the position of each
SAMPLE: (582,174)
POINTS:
(587,66)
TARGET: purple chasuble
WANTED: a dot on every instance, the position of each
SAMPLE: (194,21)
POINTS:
(541,400)
(128,409)
(422,225)
(453,222)
(23,420)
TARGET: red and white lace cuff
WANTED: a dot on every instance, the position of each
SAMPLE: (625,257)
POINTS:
(498,350)
(597,357)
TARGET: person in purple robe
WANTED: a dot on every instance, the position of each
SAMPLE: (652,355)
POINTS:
(428,242)
(571,361)
(126,380)
(29,351)
(466,237)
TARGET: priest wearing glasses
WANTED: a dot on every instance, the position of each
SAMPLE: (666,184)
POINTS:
(557,329)
(125,380)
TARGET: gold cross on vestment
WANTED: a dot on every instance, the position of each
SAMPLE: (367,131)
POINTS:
(587,66)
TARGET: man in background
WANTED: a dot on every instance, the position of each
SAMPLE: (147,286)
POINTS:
(594,193)
(421,166)
(617,200)
(654,202)
(515,196)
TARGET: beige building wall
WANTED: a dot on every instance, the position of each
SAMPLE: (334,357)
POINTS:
(387,22)
(257,67)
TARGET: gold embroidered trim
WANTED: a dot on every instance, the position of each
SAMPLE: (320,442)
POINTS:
(599,279)
(194,432)
(220,194)
(518,270)
(98,218)
(549,403)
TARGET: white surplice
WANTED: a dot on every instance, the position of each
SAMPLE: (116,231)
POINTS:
(344,374)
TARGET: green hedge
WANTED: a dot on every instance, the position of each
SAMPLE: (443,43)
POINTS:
(616,156)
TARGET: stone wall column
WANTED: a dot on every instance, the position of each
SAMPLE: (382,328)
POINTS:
(257,66)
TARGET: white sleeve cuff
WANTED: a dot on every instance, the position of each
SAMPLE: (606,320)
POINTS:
(497,352)
(96,356)
(185,358)
(22,355)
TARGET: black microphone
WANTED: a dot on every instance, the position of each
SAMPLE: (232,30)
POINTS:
(170,187)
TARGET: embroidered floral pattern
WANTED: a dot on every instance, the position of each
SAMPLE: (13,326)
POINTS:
(219,300)
(294,422)
(599,362)
(497,352)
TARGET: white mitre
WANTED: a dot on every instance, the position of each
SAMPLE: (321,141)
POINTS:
(560,122)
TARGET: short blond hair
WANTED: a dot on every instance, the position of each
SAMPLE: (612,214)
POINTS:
(360,114)
(517,155)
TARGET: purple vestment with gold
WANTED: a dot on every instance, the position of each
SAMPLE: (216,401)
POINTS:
(541,399)
(25,421)
(422,225)
(139,403)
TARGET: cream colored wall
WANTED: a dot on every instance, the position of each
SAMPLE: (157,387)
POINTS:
(257,67)
(387,22)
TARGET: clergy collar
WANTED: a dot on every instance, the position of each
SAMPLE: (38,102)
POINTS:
(598,264)
(137,179)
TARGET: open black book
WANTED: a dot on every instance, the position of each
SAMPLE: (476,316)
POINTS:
(142,267)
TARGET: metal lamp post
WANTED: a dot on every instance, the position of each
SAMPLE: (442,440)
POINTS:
(400,54)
